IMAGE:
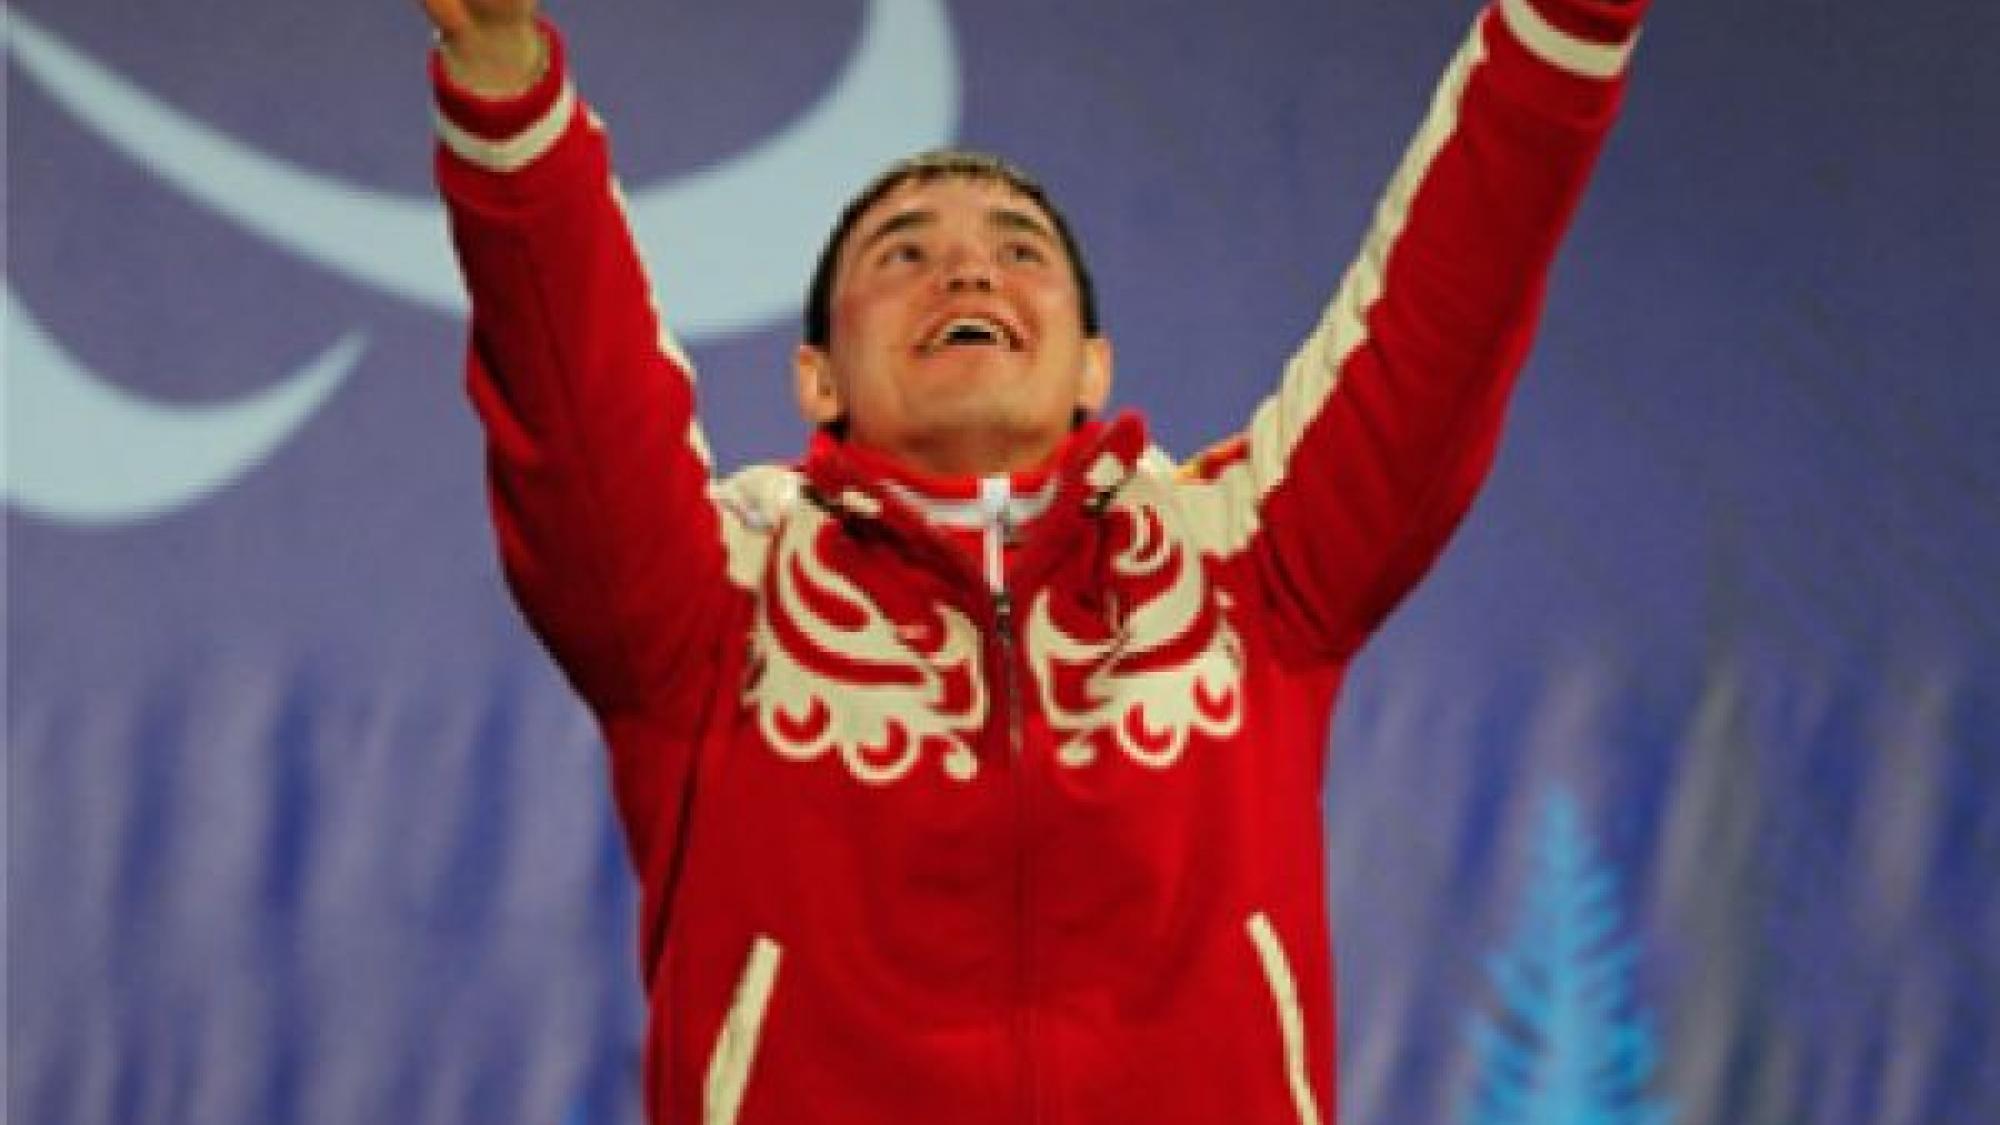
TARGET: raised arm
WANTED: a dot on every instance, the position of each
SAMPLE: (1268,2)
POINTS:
(1353,475)
(599,479)
(489,47)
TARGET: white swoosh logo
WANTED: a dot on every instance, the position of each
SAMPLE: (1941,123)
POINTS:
(737,236)
(78,449)
(82,451)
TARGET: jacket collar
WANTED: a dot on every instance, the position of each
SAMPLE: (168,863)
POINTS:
(1085,471)
(866,490)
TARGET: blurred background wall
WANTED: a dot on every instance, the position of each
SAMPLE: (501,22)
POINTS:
(1682,766)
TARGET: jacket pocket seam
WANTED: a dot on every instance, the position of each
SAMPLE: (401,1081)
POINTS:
(742,1028)
(1291,1020)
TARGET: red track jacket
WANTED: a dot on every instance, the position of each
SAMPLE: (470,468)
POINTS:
(923,839)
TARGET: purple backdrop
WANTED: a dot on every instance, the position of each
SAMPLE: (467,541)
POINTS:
(301,827)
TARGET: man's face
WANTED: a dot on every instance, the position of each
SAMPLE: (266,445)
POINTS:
(957,342)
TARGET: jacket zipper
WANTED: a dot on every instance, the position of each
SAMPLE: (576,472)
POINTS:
(997,536)
(1003,624)
(1024,1018)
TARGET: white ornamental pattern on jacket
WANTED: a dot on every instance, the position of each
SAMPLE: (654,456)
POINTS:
(832,673)
(875,691)
(1169,666)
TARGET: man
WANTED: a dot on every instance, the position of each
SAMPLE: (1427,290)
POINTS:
(971,768)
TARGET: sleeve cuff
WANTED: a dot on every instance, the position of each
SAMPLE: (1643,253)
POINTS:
(1587,38)
(505,134)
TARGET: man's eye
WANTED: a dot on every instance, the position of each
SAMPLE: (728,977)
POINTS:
(1024,253)
(903,252)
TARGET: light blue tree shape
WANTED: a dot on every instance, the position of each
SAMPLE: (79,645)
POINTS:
(1569,1046)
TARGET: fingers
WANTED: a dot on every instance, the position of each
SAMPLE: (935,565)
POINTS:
(490,47)
(454,18)
(449,17)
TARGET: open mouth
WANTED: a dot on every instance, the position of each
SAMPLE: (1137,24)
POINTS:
(970,332)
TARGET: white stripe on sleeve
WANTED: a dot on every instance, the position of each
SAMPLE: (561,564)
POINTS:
(1561,49)
(517,151)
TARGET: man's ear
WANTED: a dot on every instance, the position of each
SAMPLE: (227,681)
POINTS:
(818,393)
(1094,390)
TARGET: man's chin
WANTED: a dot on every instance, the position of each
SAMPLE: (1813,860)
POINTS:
(977,416)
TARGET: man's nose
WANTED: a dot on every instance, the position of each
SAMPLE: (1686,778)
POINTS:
(968,269)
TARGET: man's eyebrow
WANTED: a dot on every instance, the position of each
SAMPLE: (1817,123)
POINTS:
(1015,219)
(896,224)
(1000,218)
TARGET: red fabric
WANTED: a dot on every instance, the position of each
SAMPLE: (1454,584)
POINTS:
(497,119)
(1598,21)
(1589,103)
(969,541)
(885,467)
(913,851)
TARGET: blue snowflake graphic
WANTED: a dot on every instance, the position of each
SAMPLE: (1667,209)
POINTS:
(1569,1045)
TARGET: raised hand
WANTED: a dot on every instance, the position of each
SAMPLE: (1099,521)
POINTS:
(490,46)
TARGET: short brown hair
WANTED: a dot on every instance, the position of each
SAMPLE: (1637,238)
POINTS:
(930,167)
